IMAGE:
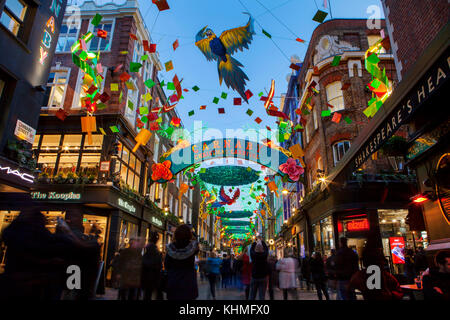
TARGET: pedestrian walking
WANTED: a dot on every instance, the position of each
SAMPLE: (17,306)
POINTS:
(330,265)
(273,274)
(212,266)
(436,281)
(179,263)
(287,267)
(306,271)
(130,270)
(201,268)
(225,271)
(346,266)
(259,252)
(246,274)
(318,275)
(151,269)
(112,271)
(389,286)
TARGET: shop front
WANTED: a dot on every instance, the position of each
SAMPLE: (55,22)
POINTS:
(323,236)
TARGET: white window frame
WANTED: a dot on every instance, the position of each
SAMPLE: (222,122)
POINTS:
(333,89)
(111,34)
(76,101)
(57,70)
(307,132)
(315,118)
(65,35)
(373,38)
(336,151)
(132,95)
(185,212)
(156,149)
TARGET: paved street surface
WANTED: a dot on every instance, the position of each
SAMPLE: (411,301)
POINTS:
(227,294)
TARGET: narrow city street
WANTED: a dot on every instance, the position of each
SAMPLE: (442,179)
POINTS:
(231,293)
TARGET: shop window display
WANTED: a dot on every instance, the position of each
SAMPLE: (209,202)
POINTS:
(393,224)
(47,163)
(128,231)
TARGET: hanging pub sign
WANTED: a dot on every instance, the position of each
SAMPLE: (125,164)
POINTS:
(443,185)
(427,86)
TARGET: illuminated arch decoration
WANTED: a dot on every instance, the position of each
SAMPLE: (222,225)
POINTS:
(235,223)
(229,175)
(235,214)
(184,156)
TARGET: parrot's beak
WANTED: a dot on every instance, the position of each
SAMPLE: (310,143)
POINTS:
(203,30)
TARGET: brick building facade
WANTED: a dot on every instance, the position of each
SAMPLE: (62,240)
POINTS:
(375,198)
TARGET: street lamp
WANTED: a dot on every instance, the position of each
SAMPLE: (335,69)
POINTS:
(166,210)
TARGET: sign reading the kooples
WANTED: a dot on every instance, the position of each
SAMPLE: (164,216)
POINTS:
(55,196)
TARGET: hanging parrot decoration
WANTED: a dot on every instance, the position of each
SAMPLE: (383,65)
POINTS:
(221,48)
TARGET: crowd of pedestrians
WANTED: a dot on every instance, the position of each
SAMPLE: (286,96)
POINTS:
(37,261)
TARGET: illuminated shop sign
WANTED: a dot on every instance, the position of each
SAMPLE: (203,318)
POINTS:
(357,225)
(49,31)
(24,176)
(125,205)
(427,86)
(397,245)
(157,222)
(55,196)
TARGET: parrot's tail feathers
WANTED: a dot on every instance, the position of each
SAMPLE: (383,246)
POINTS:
(233,75)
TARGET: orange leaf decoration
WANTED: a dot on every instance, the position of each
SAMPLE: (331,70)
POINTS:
(161,171)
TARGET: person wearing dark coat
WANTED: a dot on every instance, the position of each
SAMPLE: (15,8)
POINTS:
(180,265)
(35,258)
(273,274)
(436,282)
(151,269)
(258,253)
(306,271)
(330,265)
(318,275)
(346,266)
(420,261)
(87,258)
(130,270)
(225,271)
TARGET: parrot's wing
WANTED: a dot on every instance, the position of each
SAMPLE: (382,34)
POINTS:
(204,47)
(238,38)
(223,195)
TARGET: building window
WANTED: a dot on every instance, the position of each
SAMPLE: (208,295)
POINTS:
(83,85)
(13,16)
(100,44)
(67,37)
(70,157)
(315,118)
(56,89)
(156,151)
(339,149)
(132,104)
(335,96)
(308,124)
(185,213)
(372,39)
(130,169)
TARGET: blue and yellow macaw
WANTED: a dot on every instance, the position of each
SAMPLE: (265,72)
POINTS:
(222,48)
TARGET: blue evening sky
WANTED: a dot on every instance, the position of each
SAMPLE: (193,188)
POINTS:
(262,62)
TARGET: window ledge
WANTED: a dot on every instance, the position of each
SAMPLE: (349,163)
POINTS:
(21,43)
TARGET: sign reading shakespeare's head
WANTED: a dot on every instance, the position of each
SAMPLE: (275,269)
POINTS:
(184,156)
